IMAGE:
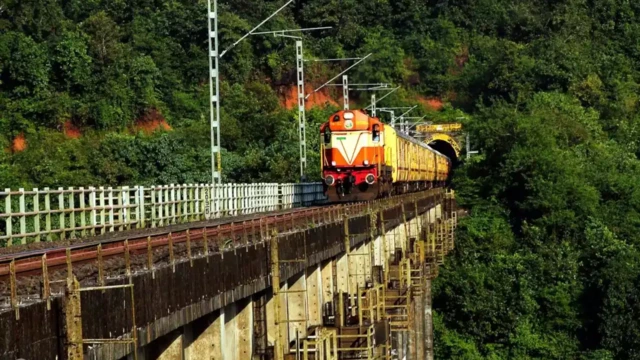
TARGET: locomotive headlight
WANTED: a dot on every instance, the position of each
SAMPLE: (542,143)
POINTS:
(370,179)
(333,163)
(366,162)
(329,180)
(348,116)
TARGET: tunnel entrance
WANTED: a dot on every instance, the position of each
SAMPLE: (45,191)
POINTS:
(445,148)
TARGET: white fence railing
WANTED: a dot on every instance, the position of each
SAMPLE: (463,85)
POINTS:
(49,214)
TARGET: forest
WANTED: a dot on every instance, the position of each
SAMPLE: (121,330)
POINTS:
(546,265)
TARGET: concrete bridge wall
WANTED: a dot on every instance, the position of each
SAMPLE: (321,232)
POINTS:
(221,306)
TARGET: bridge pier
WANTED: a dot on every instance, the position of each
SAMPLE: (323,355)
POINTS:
(428,321)
(296,315)
(314,295)
(174,347)
(204,337)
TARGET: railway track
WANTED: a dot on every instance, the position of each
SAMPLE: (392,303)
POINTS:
(30,274)
(28,261)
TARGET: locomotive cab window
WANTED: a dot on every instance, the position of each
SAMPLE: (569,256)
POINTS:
(327,135)
(376,133)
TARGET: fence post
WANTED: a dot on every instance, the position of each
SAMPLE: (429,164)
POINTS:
(213,200)
(72,213)
(252,199)
(266,188)
(241,201)
(208,201)
(23,217)
(83,209)
(92,211)
(168,199)
(47,217)
(160,206)
(139,208)
(177,202)
(274,196)
(187,206)
(239,198)
(126,213)
(174,215)
(36,218)
(225,202)
(234,198)
(111,217)
(63,232)
(167,205)
(201,202)
(289,199)
(258,198)
(223,199)
(153,206)
(230,199)
(142,206)
(174,200)
(119,210)
(245,202)
(181,201)
(7,210)
(103,212)
(199,208)
(264,197)
(248,199)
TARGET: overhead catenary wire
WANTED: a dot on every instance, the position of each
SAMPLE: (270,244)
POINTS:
(256,28)
(337,76)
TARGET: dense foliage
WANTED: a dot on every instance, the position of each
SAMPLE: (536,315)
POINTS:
(547,264)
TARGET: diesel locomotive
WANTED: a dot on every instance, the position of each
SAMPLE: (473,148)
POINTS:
(364,159)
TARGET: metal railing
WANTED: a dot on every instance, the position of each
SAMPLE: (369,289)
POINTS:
(58,214)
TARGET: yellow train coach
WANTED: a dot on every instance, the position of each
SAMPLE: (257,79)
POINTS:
(414,164)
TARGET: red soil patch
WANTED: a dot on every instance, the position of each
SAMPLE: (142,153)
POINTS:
(70,130)
(19,143)
(290,98)
(151,122)
(432,103)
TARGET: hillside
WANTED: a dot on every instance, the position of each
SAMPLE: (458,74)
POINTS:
(547,264)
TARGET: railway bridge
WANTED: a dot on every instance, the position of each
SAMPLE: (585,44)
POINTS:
(233,272)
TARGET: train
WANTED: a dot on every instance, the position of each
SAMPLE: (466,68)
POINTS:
(364,159)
